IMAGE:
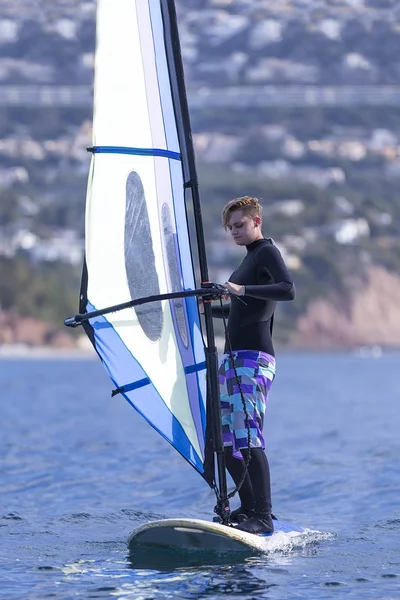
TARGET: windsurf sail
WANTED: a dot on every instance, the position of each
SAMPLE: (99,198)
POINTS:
(137,241)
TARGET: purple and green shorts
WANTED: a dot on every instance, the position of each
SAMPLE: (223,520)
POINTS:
(250,384)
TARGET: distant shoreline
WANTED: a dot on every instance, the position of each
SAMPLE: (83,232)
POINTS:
(8,351)
(25,352)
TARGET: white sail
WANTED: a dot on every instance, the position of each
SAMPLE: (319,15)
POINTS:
(137,241)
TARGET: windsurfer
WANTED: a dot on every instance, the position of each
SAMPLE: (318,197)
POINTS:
(248,365)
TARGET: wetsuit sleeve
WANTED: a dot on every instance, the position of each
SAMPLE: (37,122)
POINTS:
(219,311)
(272,269)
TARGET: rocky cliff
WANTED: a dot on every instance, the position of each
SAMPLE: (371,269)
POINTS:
(367,314)
(28,331)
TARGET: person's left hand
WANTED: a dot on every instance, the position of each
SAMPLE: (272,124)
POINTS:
(234,288)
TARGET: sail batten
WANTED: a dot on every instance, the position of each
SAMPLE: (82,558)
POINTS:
(138,151)
(137,240)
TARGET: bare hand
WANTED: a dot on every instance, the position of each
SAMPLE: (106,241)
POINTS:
(200,305)
(234,288)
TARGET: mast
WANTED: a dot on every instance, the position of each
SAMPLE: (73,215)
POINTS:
(175,66)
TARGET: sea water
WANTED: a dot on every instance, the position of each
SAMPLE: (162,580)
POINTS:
(79,470)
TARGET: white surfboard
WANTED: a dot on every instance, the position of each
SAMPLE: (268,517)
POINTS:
(191,535)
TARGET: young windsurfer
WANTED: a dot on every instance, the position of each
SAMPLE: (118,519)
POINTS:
(258,283)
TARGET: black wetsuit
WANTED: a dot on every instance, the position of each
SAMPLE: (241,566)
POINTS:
(266,280)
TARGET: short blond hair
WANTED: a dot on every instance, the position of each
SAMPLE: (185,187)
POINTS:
(250,206)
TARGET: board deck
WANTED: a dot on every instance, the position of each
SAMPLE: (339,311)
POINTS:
(198,535)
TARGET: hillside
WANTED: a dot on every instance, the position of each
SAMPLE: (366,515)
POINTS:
(223,43)
(327,175)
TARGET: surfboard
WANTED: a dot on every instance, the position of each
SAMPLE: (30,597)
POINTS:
(196,535)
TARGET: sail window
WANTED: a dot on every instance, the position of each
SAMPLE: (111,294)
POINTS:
(171,245)
(139,258)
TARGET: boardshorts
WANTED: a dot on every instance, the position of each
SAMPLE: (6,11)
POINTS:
(255,372)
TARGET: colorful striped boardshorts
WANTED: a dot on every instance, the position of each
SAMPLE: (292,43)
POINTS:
(255,373)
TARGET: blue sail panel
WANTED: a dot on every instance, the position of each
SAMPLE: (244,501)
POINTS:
(144,397)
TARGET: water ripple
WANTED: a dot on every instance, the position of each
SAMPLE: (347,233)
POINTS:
(79,473)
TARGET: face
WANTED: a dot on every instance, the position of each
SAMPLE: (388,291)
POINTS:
(244,229)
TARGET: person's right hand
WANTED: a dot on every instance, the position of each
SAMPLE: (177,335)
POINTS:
(200,304)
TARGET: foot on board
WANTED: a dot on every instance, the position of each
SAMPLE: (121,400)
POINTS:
(240,515)
(258,524)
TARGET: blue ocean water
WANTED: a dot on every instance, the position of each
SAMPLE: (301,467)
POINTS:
(79,471)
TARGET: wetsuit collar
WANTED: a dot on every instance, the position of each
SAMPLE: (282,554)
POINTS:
(255,244)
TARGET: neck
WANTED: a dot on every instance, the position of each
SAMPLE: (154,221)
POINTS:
(250,246)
